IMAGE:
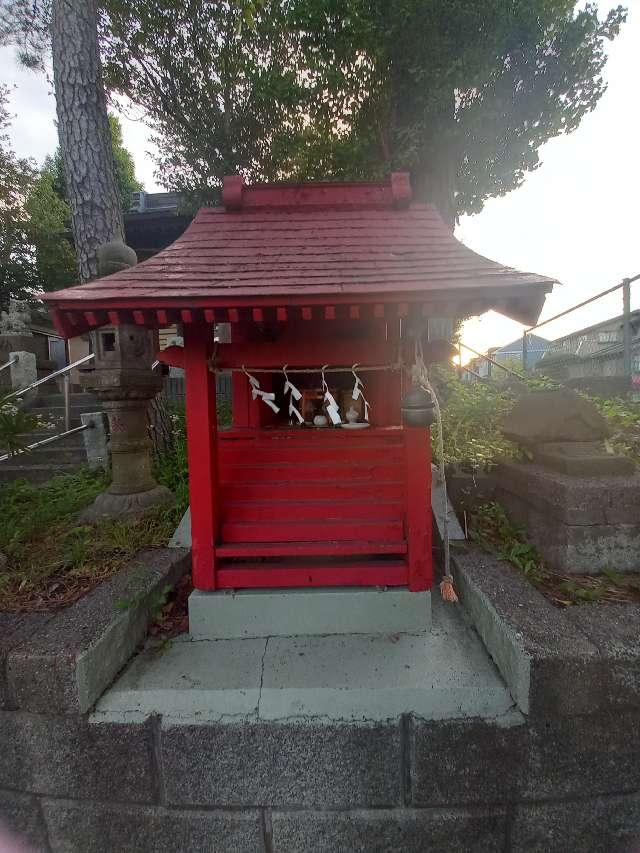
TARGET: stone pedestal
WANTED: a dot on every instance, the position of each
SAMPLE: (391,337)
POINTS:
(580,525)
(299,612)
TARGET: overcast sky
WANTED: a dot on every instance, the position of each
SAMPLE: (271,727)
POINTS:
(575,218)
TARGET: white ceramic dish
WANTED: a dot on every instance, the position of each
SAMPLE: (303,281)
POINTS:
(362,425)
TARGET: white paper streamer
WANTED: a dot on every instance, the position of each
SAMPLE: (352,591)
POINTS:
(332,407)
(267,397)
(358,392)
(290,388)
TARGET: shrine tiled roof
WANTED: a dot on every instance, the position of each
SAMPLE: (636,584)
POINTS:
(328,244)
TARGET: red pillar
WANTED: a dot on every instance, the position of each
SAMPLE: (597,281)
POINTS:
(201,452)
(418,525)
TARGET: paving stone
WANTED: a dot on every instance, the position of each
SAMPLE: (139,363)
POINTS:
(282,764)
(607,825)
(384,831)
(67,664)
(549,664)
(465,761)
(69,757)
(589,755)
(20,815)
(98,828)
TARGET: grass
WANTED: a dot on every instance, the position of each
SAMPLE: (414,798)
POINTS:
(492,530)
(52,558)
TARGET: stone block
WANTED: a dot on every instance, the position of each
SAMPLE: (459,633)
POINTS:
(23,371)
(65,666)
(550,666)
(20,816)
(293,612)
(293,764)
(383,831)
(13,771)
(606,825)
(466,761)
(100,828)
(69,757)
(615,631)
(593,755)
(579,524)
(96,439)
(15,628)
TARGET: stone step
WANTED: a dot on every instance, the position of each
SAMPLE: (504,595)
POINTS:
(34,473)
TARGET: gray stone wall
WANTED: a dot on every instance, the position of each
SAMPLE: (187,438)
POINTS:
(70,784)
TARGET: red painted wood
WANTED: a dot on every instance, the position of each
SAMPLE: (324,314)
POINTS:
(91,318)
(281,315)
(312,531)
(139,318)
(330,312)
(202,452)
(186,315)
(343,454)
(306,353)
(114,318)
(301,510)
(234,315)
(306,472)
(308,549)
(307,313)
(258,315)
(161,315)
(354,312)
(403,309)
(378,311)
(209,315)
(324,491)
(249,576)
(418,495)
(173,355)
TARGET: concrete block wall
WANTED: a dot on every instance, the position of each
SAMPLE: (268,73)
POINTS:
(71,784)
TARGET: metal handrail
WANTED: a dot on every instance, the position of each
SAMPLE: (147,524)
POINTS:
(491,361)
(11,361)
(53,375)
(45,441)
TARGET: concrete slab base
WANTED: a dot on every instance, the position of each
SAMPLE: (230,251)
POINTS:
(363,678)
(288,612)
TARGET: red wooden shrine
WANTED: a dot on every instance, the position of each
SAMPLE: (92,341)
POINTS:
(305,275)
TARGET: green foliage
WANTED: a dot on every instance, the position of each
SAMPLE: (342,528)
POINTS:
(492,530)
(623,417)
(14,423)
(472,416)
(461,94)
(17,279)
(124,166)
(48,231)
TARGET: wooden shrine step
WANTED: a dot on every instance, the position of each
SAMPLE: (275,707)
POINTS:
(311,531)
(255,550)
(321,490)
(312,510)
(298,574)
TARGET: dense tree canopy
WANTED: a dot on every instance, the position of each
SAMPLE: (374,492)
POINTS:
(17,276)
(461,93)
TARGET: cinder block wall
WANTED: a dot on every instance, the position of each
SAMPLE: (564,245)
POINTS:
(68,784)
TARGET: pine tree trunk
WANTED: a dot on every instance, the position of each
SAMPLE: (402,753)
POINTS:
(83,127)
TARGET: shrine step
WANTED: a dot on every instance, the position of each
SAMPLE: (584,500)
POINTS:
(291,612)
(321,490)
(311,531)
(312,510)
(255,550)
(271,453)
(312,572)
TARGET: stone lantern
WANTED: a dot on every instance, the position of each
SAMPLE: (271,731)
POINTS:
(125,383)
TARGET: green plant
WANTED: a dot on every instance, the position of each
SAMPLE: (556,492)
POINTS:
(14,423)
(494,532)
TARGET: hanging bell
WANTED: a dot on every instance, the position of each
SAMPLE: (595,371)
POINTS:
(417,407)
